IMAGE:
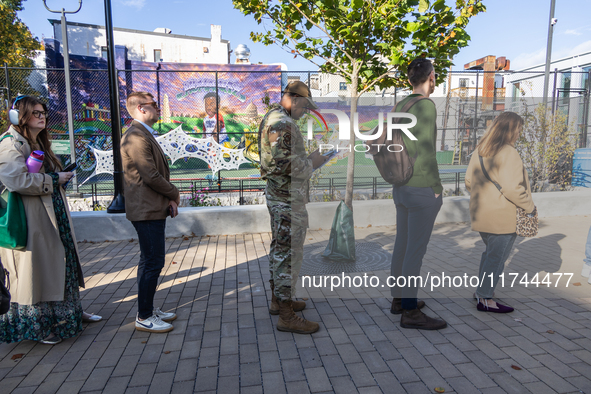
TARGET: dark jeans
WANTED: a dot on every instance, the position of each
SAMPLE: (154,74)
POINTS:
(151,238)
(416,210)
(498,248)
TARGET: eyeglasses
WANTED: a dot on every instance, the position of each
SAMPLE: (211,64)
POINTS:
(38,114)
(153,104)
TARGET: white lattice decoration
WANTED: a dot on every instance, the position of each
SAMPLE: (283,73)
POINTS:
(103,163)
(176,144)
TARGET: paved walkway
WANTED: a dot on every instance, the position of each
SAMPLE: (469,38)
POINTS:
(224,339)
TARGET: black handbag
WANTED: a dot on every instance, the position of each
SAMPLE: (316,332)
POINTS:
(4,290)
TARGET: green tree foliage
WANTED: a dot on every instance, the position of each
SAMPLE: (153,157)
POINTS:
(365,41)
(17,44)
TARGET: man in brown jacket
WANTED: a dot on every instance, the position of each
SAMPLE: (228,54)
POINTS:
(149,199)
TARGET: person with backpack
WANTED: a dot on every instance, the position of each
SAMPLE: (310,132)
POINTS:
(417,201)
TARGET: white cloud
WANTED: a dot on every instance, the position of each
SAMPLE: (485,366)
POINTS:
(530,59)
(581,48)
(139,4)
(572,32)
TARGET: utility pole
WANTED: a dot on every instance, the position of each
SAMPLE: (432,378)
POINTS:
(67,78)
(118,203)
(552,21)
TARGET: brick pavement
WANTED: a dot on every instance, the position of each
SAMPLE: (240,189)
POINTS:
(224,339)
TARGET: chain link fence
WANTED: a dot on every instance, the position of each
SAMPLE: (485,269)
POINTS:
(229,105)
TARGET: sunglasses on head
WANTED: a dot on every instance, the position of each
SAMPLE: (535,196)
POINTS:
(153,104)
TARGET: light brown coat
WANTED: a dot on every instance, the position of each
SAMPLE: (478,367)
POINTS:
(147,187)
(37,273)
(490,210)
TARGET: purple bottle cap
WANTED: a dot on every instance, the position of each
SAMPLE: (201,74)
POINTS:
(37,154)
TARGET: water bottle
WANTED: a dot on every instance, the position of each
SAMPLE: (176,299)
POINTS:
(35,161)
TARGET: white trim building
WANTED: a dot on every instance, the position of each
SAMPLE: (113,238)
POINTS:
(155,46)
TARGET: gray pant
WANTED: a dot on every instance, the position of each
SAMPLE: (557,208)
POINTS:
(498,248)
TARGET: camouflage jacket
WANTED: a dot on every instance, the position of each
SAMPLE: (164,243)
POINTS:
(284,162)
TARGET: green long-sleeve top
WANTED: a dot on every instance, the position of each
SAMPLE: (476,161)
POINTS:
(425,170)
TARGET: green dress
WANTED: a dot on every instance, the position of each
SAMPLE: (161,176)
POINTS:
(63,318)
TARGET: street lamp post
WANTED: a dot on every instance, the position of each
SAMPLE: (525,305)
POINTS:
(549,52)
(67,78)
(118,203)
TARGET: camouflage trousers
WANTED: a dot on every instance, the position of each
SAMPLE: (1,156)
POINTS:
(288,228)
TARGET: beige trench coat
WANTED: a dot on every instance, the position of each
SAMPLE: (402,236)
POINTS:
(490,210)
(37,273)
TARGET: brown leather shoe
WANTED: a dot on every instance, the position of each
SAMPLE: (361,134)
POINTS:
(290,322)
(274,307)
(396,308)
(414,318)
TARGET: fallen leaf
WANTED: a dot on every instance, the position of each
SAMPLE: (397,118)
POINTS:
(369,225)
(180,281)
(186,238)
(166,351)
(439,390)
(144,341)
(239,283)
(17,356)
(550,331)
(310,239)
(515,367)
(174,262)
(305,299)
(577,284)
(94,272)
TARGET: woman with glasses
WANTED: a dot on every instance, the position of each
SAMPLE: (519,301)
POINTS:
(45,276)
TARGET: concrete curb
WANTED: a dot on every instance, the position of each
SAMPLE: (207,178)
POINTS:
(101,226)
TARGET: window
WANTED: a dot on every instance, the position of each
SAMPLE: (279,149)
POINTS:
(342,86)
(157,55)
(463,82)
(104,52)
(444,87)
(327,88)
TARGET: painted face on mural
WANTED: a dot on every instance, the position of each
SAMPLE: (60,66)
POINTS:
(210,106)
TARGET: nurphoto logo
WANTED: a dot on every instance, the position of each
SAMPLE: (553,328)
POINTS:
(345,126)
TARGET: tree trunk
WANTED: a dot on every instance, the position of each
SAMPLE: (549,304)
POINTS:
(351,157)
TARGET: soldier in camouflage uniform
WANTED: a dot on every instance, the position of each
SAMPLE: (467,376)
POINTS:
(287,169)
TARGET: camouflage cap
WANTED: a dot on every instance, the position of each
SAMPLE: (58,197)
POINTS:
(301,89)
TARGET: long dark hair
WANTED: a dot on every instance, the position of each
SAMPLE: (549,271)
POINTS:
(25,106)
(504,131)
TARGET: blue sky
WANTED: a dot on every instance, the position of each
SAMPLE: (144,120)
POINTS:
(516,29)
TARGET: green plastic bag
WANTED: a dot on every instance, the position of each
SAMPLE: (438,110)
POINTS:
(13,222)
(341,244)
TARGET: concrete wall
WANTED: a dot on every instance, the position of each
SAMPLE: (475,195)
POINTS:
(101,226)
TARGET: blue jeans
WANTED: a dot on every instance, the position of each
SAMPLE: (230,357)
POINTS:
(152,252)
(587,259)
(416,210)
(498,248)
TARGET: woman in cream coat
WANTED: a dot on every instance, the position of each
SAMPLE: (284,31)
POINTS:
(45,276)
(493,212)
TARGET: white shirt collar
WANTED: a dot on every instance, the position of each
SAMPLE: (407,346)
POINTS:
(151,130)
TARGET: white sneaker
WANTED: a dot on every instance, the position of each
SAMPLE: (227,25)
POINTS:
(586,270)
(152,324)
(164,316)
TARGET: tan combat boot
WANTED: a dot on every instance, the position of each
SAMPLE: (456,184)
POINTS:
(274,308)
(289,321)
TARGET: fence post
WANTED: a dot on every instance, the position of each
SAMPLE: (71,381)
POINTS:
(554,90)
(7,76)
(475,125)
(241,195)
